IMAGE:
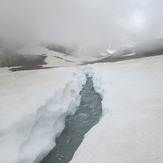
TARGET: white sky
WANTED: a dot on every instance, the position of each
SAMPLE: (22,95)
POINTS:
(87,23)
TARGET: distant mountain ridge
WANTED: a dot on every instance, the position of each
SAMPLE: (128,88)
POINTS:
(144,49)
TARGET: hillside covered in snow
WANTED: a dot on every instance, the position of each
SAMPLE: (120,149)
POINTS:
(34,104)
(81,81)
(33,107)
(131,128)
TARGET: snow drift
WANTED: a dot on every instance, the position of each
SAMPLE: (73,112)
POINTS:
(131,127)
(33,106)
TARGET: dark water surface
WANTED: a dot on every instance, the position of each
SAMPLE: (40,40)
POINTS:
(77,126)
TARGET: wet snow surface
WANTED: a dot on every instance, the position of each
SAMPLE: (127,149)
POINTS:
(85,118)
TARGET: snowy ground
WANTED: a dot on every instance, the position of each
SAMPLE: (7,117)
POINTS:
(31,58)
(131,129)
(55,58)
(33,105)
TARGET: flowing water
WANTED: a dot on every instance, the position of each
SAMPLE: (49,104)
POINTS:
(76,126)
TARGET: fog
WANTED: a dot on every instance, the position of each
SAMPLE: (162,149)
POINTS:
(89,25)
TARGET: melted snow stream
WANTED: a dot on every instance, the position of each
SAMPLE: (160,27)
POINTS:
(77,126)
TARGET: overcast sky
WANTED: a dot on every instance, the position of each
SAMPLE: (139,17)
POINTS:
(94,23)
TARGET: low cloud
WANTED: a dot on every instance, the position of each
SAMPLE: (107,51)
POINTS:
(89,25)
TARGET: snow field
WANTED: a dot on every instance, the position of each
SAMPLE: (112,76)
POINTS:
(55,59)
(131,129)
(33,106)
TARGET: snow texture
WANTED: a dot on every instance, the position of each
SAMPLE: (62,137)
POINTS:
(33,106)
(131,129)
